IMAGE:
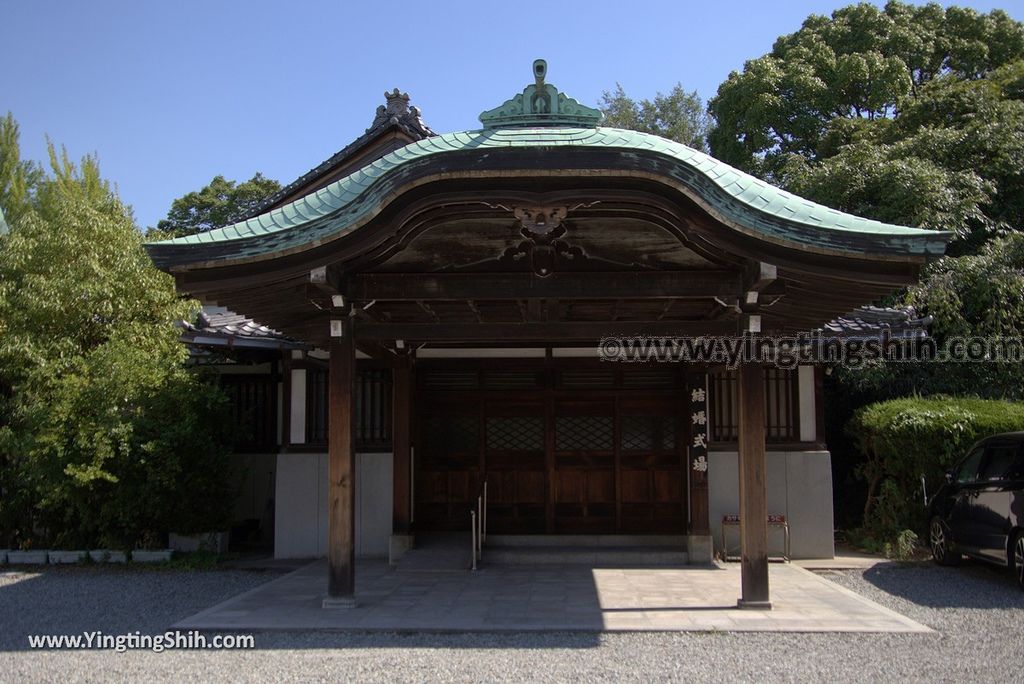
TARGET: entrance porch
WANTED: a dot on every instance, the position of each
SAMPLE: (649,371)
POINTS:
(554,598)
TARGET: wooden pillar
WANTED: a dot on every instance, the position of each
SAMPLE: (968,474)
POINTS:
(753,489)
(401,426)
(341,472)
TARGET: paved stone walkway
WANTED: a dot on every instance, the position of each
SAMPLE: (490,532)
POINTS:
(562,598)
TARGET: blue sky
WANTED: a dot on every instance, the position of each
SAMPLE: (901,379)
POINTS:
(169,94)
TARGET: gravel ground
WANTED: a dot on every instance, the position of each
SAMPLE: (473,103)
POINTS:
(976,611)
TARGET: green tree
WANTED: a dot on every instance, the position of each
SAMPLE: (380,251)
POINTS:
(678,116)
(951,160)
(912,115)
(862,65)
(17,176)
(220,203)
(106,437)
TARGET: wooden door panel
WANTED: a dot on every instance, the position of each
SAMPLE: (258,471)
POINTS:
(595,459)
(600,486)
(514,432)
(531,487)
(668,486)
(636,486)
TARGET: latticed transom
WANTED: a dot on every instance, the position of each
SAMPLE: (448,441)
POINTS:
(451,432)
(646,433)
(580,433)
(516,433)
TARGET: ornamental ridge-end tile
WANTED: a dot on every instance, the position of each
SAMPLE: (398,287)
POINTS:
(540,104)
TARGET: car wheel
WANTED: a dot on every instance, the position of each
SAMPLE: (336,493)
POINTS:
(1017,558)
(942,552)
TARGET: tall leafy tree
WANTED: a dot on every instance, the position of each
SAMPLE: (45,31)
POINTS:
(909,114)
(677,115)
(951,160)
(220,203)
(861,65)
(106,438)
(18,177)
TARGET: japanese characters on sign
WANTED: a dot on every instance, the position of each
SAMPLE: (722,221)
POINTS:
(699,427)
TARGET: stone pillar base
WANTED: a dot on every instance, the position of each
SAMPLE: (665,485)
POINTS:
(754,605)
(700,548)
(339,603)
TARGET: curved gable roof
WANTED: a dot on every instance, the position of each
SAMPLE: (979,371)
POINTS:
(745,203)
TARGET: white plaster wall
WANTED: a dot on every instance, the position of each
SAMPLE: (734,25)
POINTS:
(297,410)
(799,487)
(301,506)
(805,395)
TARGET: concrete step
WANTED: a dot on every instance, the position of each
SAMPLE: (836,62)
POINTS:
(563,541)
(593,556)
(439,552)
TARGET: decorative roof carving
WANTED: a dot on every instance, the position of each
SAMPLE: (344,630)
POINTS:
(541,104)
(397,112)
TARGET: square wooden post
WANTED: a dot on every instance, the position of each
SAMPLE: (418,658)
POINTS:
(401,426)
(753,489)
(341,472)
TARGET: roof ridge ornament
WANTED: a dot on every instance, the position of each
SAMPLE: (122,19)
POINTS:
(397,111)
(541,104)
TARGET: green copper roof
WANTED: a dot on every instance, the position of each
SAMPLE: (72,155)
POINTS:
(540,104)
(745,202)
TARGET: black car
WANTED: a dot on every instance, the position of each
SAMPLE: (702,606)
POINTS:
(980,510)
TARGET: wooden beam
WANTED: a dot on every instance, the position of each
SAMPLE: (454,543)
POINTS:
(760,277)
(341,472)
(401,426)
(324,280)
(753,489)
(501,332)
(578,285)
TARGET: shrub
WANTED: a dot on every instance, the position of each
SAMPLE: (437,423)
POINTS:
(904,439)
(107,439)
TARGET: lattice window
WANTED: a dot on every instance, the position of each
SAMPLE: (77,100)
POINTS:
(372,411)
(669,426)
(638,433)
(780,406)
(582,433)
(515,433)
(254,407)
(646,433)
(450,432)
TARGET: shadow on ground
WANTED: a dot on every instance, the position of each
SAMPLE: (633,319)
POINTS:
(972,584)
(114,601)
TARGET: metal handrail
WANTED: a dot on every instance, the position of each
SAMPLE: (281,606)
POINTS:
(483,519)
(478,526)
(472,532)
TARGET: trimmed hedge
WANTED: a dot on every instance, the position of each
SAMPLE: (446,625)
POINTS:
(903,439)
